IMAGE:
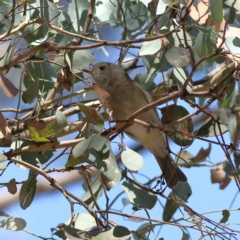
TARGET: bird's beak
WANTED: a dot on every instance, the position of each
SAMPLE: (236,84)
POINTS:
(89,71)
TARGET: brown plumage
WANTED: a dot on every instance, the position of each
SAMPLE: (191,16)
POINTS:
(126,98)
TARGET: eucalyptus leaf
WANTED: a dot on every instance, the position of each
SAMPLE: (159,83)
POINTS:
(183,190)
(135,17)
(139,197)
(106,13)
(60,122)
(2,166)
(13,224)
(183,129)
(92,150)
(82,59)
(210,129)
(131,159)
(226,215)
(178,57)
(115,233)
(78,14)
(142,230)
(27,192)
(216,8)
(231,2)
(150,47)
(46,78)
(3,158)
(8,56)
(35,158)
(171,207)
(205,44)
(97,189)
(92,115)
(185,236)
(32,92)
(180,76)
(83,221)
(111,174)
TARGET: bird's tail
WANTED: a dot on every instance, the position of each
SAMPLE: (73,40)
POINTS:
(171,172)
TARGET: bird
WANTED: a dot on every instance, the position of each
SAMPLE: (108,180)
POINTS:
(126,97)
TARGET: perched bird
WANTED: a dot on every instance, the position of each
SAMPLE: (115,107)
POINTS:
(126,97)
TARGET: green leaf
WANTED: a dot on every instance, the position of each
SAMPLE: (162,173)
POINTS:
(13,224)
(3,158)
(205,44)
(2,166)
(90,150)
(92,115)
(180,76)
(216,8)
(156,63)
(69,78)
(142,230)
(229,172)
(141,79)
(185,236)
(106,13)
(32,32)
(178,57)
(230,100)
(82,59)
(97,190)
(46,78)
(171,207)
(150,47)
(226,215)
(27,192)
(78,13)
(8,56)
(183,190)
(60,122)
(209,128)
(236,4)
(51,12)
(171,114)
(179,37)
(38,131)
(135,17)
(32,92)
(111,174)
(43,132)
(83,221)
(5,8)
(131,159)
(139,197)
(115,233)
(90,130)
(44,34)
(71,233)
(35,158)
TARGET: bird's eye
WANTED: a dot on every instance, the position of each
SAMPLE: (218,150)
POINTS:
(102,68)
